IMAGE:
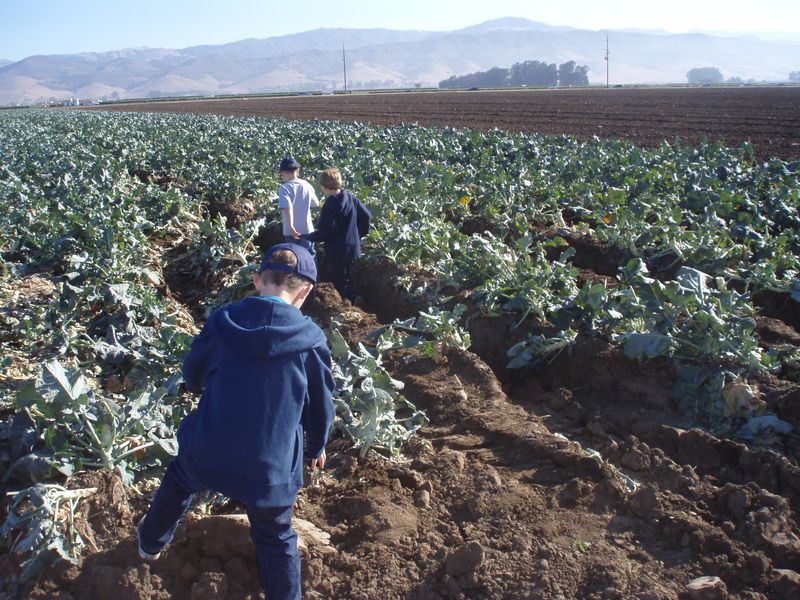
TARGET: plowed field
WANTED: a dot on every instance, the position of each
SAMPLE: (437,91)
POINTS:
(768,117)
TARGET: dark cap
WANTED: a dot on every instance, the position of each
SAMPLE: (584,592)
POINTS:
(289,163)
(305,267)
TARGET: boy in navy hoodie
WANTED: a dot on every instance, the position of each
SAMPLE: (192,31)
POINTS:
(338,228)
(265,375)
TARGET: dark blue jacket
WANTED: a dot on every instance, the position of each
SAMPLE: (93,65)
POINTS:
(338,228)
(265,373)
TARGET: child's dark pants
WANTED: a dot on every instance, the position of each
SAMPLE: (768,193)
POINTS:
(340,277)
(270,528)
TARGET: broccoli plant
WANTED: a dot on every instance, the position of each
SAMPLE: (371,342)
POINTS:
(370,410)
(83,429)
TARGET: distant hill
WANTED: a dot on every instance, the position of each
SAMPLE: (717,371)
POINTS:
(516,23)
(385,58)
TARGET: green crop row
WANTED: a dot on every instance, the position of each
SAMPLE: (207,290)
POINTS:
(89,199)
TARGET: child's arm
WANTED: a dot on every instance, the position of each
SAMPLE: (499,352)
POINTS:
(319,412)
(328,224)
(288,216)
(195,365)
(319,462)
(286,204)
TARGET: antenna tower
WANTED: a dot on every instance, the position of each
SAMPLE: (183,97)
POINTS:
(344,67)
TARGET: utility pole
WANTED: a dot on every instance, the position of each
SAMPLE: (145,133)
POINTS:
(344,67)
(606,57)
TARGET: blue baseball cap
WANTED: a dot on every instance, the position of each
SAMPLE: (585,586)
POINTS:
(305,267)
(289,163)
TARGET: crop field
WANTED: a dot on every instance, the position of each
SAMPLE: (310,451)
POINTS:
(576,373)
(768,117)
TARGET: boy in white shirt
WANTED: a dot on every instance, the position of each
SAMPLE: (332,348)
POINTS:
(296,197)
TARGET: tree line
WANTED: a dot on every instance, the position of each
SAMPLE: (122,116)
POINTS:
(527,73)
(712,75)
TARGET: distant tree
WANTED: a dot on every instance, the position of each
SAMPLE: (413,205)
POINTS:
(737,80)
(571,73)
(534,73)
(794,76)
(495,77)
(529,72)
(450,82)
(704,75)
(454,81)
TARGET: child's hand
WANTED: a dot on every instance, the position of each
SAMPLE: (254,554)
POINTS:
(295,234)
(319,461)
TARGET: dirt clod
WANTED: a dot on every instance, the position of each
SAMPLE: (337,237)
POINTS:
(465,559)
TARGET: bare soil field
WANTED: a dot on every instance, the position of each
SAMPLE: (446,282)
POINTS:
(767,117)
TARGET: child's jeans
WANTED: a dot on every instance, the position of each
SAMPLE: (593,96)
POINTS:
(270,528)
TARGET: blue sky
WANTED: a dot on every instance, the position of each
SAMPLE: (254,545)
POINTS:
(29,27)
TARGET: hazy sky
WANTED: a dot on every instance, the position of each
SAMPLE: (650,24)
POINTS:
(29,27)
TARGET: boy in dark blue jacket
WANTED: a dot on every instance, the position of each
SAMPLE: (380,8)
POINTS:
(338,228)
(265,375)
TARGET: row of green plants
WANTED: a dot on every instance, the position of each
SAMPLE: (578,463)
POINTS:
(87,192)
(87,204)
(87,199)
(711,208)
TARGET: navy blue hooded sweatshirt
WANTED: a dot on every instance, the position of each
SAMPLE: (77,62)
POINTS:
(338,228)
(265,373)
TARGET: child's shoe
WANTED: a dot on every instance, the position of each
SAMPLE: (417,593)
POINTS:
(142,553)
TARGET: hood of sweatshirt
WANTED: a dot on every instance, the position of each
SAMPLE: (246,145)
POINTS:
(264,328)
